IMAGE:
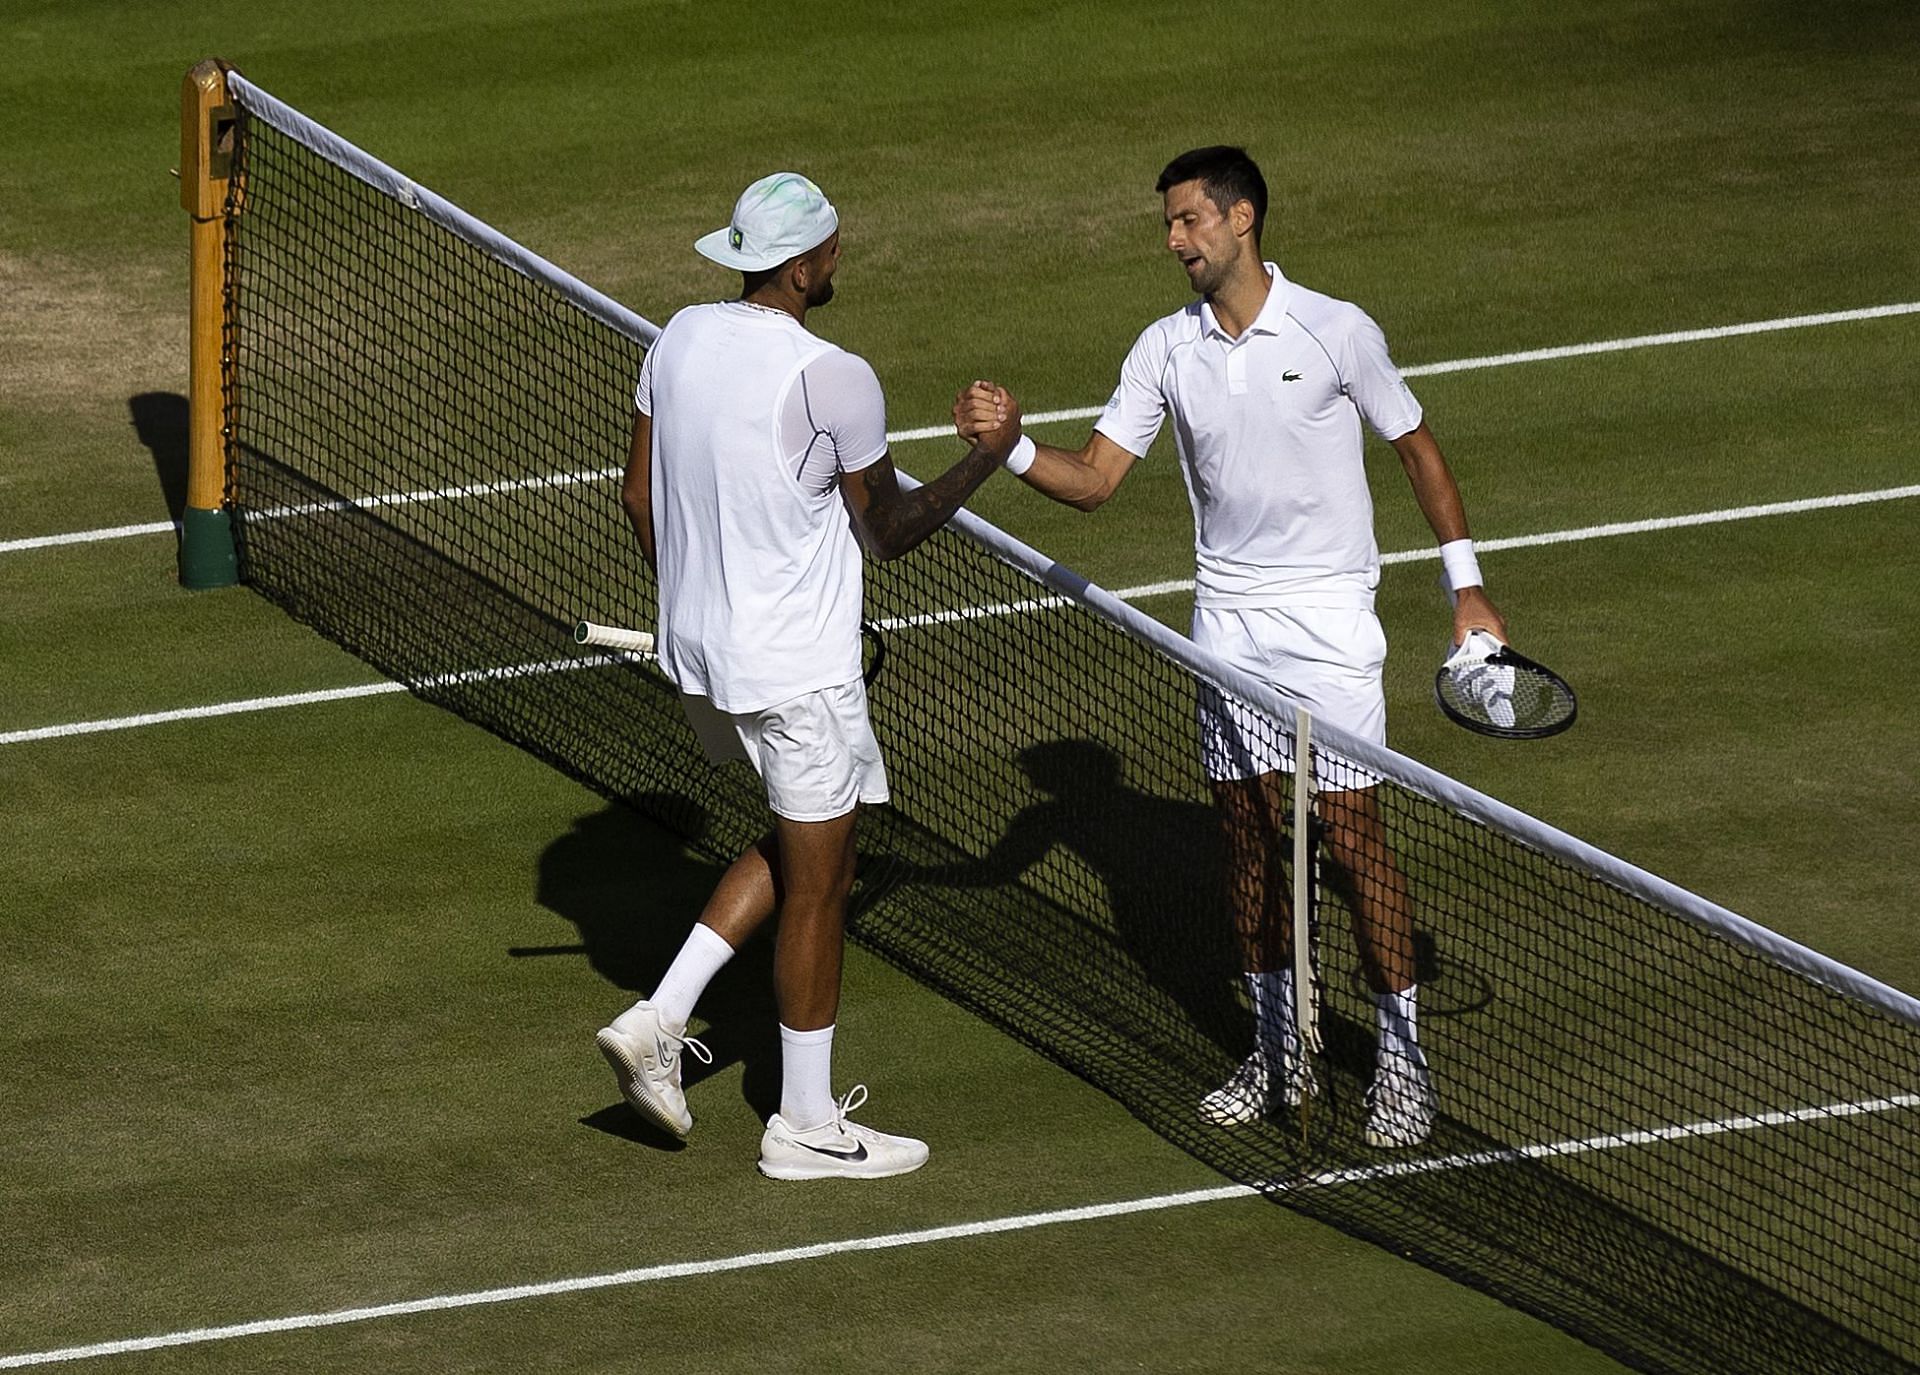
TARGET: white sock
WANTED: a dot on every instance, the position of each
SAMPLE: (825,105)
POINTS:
(806,1077)
(1399,1015)
(705,951)
(1275,1025)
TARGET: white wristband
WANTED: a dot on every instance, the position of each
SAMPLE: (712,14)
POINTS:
(1021,458)
(1463,570)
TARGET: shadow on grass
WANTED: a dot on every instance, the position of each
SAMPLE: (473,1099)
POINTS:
(633,892)
(617,1119)
(1105,952)
(160,421)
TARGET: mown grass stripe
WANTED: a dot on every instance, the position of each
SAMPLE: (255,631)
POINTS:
(754,1260)
(1496,360)
(1139,592)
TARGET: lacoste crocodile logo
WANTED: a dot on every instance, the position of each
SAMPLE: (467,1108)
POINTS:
(1289,376)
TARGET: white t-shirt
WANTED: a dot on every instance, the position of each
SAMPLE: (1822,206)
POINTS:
(754,419)
(1267,427)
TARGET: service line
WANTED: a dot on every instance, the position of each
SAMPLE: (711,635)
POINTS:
(1140,592)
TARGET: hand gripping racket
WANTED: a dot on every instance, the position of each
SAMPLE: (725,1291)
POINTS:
(1490,688)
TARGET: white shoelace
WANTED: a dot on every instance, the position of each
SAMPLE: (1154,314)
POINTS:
(850,1100)
(698,1047)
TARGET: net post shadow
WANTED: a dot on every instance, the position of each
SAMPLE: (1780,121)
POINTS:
(160,422)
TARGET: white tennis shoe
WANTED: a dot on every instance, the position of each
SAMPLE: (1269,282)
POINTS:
(837,1148)
(1400,1103)
(646,1062)
(1248,1095)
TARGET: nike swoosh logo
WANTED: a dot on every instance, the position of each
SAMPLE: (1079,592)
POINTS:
(857,1153)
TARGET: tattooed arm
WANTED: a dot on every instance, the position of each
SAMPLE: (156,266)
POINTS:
(890,522)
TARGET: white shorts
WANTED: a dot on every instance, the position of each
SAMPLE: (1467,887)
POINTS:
(816,754)
(1328,658)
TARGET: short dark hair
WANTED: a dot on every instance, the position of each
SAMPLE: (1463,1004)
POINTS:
(1226,174)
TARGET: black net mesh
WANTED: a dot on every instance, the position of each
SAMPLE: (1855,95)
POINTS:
(1645,1133)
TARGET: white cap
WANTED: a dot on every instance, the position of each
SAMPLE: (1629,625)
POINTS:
(777,218)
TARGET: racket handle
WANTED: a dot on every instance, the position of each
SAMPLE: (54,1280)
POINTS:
(613,637)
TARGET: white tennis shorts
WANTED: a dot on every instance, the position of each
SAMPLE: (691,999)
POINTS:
(1328,658)
(816,754)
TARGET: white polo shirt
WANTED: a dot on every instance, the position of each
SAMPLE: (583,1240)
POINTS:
(1267,427)
(754,419)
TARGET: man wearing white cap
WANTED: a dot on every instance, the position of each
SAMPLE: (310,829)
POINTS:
(759,467)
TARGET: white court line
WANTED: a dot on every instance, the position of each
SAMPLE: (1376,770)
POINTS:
(1496,360)
(965,613)
(1502,360)
(161,718)
(1431,553)
(535,669)
(962,1231)
(152,527)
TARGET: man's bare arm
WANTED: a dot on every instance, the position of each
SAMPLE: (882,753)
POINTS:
(1083,480)
(890,521)
(636,488)
(1439,498)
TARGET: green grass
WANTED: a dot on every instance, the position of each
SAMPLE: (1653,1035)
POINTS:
(269,1050)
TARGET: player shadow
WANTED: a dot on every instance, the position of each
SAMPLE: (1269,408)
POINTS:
(160,422)
(1159,863)
(633,892)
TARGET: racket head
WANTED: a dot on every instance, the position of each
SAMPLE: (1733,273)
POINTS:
(1503,694)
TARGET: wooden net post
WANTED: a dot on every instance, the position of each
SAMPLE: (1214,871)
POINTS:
(207,132)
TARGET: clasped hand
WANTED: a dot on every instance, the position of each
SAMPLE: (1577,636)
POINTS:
(986,412)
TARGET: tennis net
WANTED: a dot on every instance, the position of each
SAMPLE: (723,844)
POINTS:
(1676,1135)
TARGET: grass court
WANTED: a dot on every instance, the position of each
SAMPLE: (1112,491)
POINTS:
(300,1001)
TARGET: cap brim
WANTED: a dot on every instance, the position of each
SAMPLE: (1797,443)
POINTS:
(718,246)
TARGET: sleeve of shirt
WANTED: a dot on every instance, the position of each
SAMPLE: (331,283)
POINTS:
(643,389)
(1133,413)
(845,403)
(1375,384)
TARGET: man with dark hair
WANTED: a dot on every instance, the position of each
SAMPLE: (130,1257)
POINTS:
(1226,175)
(1267,383)
(759,457)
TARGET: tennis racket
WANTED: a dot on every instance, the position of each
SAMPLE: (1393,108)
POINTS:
(641,642)
(878,646)
(1490,688)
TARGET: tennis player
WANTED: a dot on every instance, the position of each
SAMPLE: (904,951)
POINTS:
(759,468)
(1267,383)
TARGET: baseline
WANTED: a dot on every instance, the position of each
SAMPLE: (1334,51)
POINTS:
(755,1260)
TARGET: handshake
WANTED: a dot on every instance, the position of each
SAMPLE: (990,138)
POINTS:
(986,414)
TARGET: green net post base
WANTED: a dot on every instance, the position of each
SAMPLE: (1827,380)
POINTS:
(206,550)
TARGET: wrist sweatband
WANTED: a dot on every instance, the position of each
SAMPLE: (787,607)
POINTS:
(1463,570)
(1021,458)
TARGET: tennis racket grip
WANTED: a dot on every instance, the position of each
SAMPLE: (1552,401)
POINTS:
(613,637)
